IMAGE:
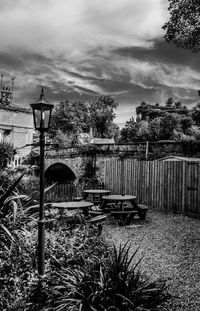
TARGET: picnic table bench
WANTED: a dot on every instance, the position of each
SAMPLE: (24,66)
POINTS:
(123,208)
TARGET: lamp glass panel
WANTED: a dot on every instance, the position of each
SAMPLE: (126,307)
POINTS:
(37,118)
(46,118)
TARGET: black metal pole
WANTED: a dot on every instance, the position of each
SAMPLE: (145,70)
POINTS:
(41,222)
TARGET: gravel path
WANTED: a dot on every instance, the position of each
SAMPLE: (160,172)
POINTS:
(170,245)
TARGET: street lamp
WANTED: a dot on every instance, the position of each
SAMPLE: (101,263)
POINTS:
(41,115)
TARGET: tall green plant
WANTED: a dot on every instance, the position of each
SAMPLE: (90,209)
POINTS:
(114,283)
(8,210)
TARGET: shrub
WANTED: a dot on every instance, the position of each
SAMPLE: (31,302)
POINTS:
(69,244)
(113,283)
(6,154)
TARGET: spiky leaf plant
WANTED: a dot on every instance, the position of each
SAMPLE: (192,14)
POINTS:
(114,283)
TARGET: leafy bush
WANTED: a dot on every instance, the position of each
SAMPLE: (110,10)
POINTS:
(30,185)
(81,272)
(113,283)
(6,154)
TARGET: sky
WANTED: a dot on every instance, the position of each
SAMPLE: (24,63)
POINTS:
(83,49)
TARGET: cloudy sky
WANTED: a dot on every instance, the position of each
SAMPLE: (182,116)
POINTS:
(82,49)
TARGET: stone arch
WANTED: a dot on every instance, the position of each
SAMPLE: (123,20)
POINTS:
(50,162)
(59,172)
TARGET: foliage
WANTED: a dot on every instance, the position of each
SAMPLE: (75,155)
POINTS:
(80,269)
(6,154)
(69,119)
(129,132)
(69,243)
(155,128)
(183,27)
(4,199)
(33,158)
(102,115)
(62,139)
(113,283)
(29,185)
(143,110)
(195,114)
(169,122)
(149,111)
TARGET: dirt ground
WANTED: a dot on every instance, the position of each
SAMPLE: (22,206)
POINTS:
(170,247)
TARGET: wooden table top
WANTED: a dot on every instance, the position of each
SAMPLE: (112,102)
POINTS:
(72,205)
(118,197)
(96,191)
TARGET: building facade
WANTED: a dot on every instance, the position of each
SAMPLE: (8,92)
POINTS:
(16,124)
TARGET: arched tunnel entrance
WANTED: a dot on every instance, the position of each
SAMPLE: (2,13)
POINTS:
(64,190)
(60,173)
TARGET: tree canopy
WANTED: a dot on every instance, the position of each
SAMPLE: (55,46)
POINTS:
(171,121)
(102,114)
(71,118)
(183,27)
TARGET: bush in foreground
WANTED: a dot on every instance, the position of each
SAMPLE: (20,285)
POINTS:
(81,273)
(114,283)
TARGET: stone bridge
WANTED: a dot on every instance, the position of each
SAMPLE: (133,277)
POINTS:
(73,163)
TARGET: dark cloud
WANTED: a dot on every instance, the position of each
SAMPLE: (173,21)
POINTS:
(161,52)
(19,60)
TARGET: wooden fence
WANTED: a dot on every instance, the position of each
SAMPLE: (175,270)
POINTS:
(168,186)
(61,192)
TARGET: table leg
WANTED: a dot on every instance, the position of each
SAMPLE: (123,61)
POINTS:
(134,204)
(103,205)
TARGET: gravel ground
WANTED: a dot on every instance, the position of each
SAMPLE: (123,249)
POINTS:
(170,246)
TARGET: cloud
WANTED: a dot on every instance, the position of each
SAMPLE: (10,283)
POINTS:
(76,26)
(82,49)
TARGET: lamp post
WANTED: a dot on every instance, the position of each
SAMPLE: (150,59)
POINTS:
(41,115)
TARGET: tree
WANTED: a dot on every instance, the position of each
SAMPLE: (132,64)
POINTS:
(178,105)
(143,132)
(70,118)
(186,123)
(142,110)
(169,123)
(195,114)
(183,27)
(169,102)
(133,131)
(102,114)
(129,132)
(155,128)
(6,154)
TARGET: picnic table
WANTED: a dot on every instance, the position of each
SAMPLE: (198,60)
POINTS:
(72,205)
(117,205)
(95,195)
